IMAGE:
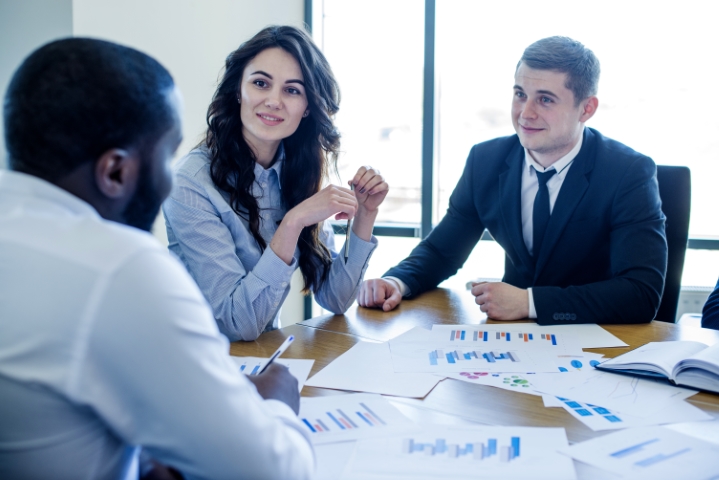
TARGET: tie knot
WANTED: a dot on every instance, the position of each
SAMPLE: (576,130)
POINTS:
(543,177)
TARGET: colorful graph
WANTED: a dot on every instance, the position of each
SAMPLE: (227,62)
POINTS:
(339,420)
(588,410)
(485,336)
(477,451)
(455,356)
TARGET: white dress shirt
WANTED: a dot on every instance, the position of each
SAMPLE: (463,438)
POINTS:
(530,185)
(106,344)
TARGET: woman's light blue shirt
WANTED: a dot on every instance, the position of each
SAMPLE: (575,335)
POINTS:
(245,286)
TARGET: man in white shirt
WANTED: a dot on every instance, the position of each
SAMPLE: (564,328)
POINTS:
(577,214)
(106,344)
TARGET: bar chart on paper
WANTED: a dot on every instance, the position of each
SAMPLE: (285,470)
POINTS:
(485,336)
(346,417)
(447,357)
(650,452)
(474,452)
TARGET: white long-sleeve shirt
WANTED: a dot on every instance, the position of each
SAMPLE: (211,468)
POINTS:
(106,344)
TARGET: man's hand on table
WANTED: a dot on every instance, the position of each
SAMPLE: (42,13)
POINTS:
(501,301)
(379,293)
(278,384)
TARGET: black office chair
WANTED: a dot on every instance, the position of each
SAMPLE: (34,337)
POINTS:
(675,190)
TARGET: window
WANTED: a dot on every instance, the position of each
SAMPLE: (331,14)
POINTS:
(656,60)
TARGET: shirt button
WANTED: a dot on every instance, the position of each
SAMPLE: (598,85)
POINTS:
(284,284)
(264,184)
(276,303)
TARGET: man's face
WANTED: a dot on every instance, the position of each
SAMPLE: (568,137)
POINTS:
(155,177)
(544,113)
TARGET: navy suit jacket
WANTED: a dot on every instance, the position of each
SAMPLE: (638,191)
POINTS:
(710,313)
(604,256)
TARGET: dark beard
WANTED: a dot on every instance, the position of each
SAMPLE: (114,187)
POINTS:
(145,204)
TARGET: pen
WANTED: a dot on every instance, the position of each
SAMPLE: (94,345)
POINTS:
(347,233)
(279,352)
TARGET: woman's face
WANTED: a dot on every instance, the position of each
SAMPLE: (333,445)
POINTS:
(272,99)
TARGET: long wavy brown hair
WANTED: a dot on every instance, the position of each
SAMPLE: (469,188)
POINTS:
(310,151)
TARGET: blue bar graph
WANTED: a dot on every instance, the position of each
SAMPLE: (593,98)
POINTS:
(633,449)
(309,425)
(475,450)
(647,462)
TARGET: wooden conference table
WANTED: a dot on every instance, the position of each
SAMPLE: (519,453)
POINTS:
(455,402)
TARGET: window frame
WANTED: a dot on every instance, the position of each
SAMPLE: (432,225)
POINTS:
(429,152)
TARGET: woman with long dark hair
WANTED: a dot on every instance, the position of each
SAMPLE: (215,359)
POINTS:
(248,207)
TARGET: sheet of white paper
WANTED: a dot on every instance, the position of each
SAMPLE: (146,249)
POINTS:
(588,335)
(332,459)
(338,418)
(299,367)
(707,431)
(622,393)
(495,356)
(464,453)
(416,334)
(599,418)
(522,382)
(367,367)
(649,453)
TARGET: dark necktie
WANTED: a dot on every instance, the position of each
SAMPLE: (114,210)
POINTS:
(540,215)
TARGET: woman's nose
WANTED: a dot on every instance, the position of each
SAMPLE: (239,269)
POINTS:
(273,100)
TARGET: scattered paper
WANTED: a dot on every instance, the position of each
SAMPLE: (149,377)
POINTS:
(299,368)
(332,459)
(649,453)
(464,453)
(599,418)
(338,418)
(623,393)
(587,335)
(367,367)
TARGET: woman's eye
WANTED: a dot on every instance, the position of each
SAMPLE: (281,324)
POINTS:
(294,91)
(546,100)
(260,83)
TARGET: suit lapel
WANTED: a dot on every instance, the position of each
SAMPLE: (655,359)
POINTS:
(573,189)
(510,186)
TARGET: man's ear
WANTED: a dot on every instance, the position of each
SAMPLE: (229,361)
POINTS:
(589,108)
(116,173)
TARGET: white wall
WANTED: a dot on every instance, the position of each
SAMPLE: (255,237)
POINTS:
(24,26)
(191,38)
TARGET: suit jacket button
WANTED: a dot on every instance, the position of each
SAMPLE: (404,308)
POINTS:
(555,316)
(573,316)
(561,316)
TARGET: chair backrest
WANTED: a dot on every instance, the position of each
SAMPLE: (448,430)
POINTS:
(675,190)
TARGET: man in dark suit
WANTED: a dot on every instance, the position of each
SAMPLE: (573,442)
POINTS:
(710,313)
(578,214)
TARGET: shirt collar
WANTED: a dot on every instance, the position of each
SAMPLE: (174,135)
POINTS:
(276,165)
(22,184)
(560,165)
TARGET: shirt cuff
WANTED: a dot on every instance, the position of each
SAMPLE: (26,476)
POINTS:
(403,288)
(532,310)
(360,250)
(272,270)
